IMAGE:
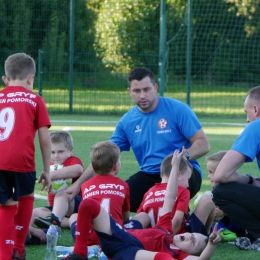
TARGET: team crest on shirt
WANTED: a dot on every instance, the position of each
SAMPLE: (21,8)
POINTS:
(162,123)
(138,128)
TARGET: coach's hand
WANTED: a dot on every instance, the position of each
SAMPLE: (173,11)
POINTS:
(73,190)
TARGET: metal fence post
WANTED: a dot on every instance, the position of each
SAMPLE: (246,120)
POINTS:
(71,62)
(189,52)
(162,47)
(40,72)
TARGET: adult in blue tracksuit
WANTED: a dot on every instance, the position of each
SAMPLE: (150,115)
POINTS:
(154,128)
(236,194)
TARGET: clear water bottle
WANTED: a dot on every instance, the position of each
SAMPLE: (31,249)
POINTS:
(96,251)
(92,251)
(52,237)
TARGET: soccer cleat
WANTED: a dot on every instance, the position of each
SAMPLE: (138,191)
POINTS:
(32,241)
(228,236)
(18,256)
(243,243)
(46,222)
(73,256)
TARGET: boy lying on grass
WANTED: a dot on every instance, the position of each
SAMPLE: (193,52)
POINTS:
(156,243)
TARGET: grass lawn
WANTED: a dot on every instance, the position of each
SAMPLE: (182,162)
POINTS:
(87,130)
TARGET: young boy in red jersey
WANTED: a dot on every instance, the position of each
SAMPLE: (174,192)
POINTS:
(156,243)
(152,202)
(67,170)
(108,190)
(203,215)
(22,114)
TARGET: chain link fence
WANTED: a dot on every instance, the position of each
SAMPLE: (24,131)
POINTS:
(110,37)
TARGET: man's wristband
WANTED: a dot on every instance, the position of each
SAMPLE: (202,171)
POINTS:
(251,179)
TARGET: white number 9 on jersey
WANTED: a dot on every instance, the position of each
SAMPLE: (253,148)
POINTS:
(7,118)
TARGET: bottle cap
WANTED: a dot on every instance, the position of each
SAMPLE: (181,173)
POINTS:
(52,229)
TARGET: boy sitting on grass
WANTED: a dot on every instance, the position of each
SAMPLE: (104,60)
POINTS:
(232,230)
(109,191)
(66,167)
(155,243)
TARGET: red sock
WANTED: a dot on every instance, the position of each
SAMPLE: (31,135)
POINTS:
(22,221)
(7,231)
(163,256)
(88,210)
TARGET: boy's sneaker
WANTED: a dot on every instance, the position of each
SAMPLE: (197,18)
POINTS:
(243,243)
(48,221)
(256,245)
(73,256)
(228,236)
(18,256)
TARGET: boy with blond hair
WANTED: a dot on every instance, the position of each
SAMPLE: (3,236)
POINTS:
(232,230)
(66,169)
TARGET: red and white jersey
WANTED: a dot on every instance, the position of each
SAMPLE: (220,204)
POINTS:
(152,203)
(72,160)
(159,238)
(112,193)
(22,113)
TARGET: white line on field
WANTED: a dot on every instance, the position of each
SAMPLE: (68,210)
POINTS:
(37,196)
(115,122)
(229,124)
(83,122)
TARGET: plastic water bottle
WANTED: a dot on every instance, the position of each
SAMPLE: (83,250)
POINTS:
(52,237)
(102,256)
(96,251)
(92,251)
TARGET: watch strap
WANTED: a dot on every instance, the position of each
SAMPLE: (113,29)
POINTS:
(251,179)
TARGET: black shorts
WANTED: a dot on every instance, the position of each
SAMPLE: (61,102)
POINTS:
(194,225)
(141,182)
(16,184)
(194,183)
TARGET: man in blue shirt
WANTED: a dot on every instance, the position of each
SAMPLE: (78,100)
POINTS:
(238,195)
(154,128)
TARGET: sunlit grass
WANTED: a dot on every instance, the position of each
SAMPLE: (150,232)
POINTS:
(87,130)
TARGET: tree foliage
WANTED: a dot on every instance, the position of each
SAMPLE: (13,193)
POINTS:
(120,35)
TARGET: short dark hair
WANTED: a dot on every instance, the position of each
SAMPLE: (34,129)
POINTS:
(139,74)
(166,165)
(19,66)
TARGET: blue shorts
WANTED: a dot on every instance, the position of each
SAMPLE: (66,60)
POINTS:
(120,245)
(193,224)
(73,230)
(77,200)
(15,184)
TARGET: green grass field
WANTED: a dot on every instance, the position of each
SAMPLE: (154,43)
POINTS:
(87,130)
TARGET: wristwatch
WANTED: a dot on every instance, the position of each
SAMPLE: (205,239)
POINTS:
(187,155)
(251,179)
